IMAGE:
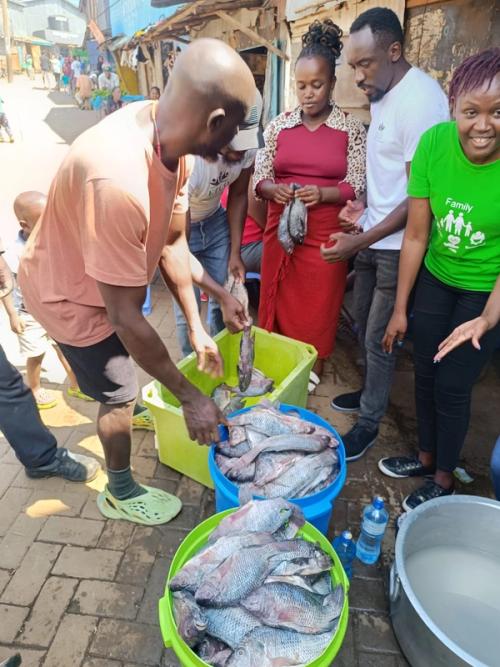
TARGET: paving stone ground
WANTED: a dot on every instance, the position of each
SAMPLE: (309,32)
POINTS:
(79,590)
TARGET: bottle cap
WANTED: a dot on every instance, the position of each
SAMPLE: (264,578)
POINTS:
(378,503)
(347,535)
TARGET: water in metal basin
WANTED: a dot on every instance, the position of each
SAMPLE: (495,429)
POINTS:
(459,588)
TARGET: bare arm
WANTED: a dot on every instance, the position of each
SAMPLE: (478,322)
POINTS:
(124,309)
(412,254)
(237,207)
(6,282)
(257,208)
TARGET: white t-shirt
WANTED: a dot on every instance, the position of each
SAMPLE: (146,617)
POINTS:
(209,180)
(76,66)
(105,83)
(398,121)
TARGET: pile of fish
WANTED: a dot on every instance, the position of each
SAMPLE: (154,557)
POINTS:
(292,227)
(257,595)
(275,455)
(251,381)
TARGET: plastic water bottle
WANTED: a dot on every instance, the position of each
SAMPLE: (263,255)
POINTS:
(375,519)
(346,551)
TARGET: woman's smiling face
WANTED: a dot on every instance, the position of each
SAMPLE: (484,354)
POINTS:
(477,113)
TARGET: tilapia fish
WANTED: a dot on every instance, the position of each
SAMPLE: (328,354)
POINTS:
(225,401)
(269,647)
(259,385)
(247,355)
(189,618)
(271,422)
(213,651)
(262,516)
(230,624)
(292,227)
(189,578)
(237,289)
(225,448)
(282,605)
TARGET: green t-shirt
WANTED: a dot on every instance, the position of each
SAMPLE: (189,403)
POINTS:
(464,246)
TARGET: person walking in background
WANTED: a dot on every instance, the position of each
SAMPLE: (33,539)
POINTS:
(67,74)
(76,70)
(55,64)
(46,68)
(322,149)
(4,123)
(404,102)
(29,66)
(100,64)
(155,93)
(457,165)
(83,93)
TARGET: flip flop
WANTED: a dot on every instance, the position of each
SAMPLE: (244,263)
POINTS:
(314,381)
(78,393)
(151,509)
(143,421)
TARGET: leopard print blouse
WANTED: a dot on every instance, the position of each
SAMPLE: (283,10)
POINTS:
(337,120)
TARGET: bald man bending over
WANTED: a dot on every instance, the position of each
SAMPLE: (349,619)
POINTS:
(116,209)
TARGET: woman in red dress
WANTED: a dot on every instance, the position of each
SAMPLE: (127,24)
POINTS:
(322,149)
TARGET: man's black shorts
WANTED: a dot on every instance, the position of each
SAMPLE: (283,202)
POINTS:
(104,370)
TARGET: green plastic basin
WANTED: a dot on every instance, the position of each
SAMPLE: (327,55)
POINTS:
(193,543)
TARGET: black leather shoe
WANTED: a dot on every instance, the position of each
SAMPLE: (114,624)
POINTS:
(357,441)
(428,491)
(404,466)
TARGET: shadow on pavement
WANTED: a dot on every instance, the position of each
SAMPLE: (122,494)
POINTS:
(70,122)
(58,97)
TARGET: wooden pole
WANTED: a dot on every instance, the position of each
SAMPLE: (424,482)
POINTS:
(6,35)
(255,37)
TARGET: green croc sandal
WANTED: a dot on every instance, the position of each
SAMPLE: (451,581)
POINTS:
(151,509)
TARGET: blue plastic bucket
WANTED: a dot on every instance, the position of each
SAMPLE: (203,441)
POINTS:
(317,508)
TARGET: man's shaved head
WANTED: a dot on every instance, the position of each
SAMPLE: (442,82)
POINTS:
(28,207)
(207,96)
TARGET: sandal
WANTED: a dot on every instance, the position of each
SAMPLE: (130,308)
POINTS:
(45,399)
(314,381)
(151,509)
(143,421)
(78,393)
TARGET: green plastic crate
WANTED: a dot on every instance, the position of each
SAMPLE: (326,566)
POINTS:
(288,362)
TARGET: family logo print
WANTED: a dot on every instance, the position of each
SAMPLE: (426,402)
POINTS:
(457,228)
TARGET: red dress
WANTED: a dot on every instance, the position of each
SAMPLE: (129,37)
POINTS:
(301,295)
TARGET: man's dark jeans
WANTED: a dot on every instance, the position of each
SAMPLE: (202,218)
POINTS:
(33,444)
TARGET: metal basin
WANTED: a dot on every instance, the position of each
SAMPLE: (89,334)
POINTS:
(445,583)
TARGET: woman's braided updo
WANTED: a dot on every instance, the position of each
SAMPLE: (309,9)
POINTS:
(322,39)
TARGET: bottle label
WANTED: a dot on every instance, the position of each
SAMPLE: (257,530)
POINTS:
(373,528)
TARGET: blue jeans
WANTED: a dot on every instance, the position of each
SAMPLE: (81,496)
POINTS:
(374,297)
(33,444)
(495,469)
(210,243)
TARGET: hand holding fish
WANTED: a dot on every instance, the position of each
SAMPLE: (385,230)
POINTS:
(282,194)
(202,418)
(345,246)
(234,314)
(209,359)
(311,195)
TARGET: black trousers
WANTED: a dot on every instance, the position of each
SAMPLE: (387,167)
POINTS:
(33,443)
(443,390)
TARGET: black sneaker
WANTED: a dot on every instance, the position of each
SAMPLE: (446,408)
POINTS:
(70,466)
(347,402)
(357,441)
(404,466)
(428,491)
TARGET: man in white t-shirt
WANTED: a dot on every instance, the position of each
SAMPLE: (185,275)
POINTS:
(76,69)
(108,79)
(215,234)
(405,102)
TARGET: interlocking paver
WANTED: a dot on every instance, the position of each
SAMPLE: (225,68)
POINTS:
(122,640)
(148,612)
(47,503)
(105,598)
(11,620)
(48,610)
(30,657)
(10,505)
(87,563)
(31,575)
(7,475)
(139,556)
(375,632)
(97,662)
(71,530)
(367,594)
(376,660)
(190,492)
(71,641)
(4,578)
(116,535)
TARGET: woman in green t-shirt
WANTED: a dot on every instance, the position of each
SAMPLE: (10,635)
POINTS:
(454,227)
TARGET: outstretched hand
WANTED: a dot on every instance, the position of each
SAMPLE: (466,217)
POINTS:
(472,330)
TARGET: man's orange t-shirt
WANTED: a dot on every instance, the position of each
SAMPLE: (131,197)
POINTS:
(84,85)
(107,218)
